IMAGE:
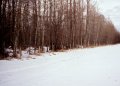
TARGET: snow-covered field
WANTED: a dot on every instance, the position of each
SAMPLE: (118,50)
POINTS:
(79,67)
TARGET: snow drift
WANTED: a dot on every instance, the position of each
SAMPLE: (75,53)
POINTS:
(80,67)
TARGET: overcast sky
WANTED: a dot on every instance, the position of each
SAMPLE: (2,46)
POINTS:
(111,9)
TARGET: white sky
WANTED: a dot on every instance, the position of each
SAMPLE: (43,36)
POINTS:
(111,9)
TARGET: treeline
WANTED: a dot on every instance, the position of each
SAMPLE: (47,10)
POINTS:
(58,24)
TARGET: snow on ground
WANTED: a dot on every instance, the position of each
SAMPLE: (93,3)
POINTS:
(80,67)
